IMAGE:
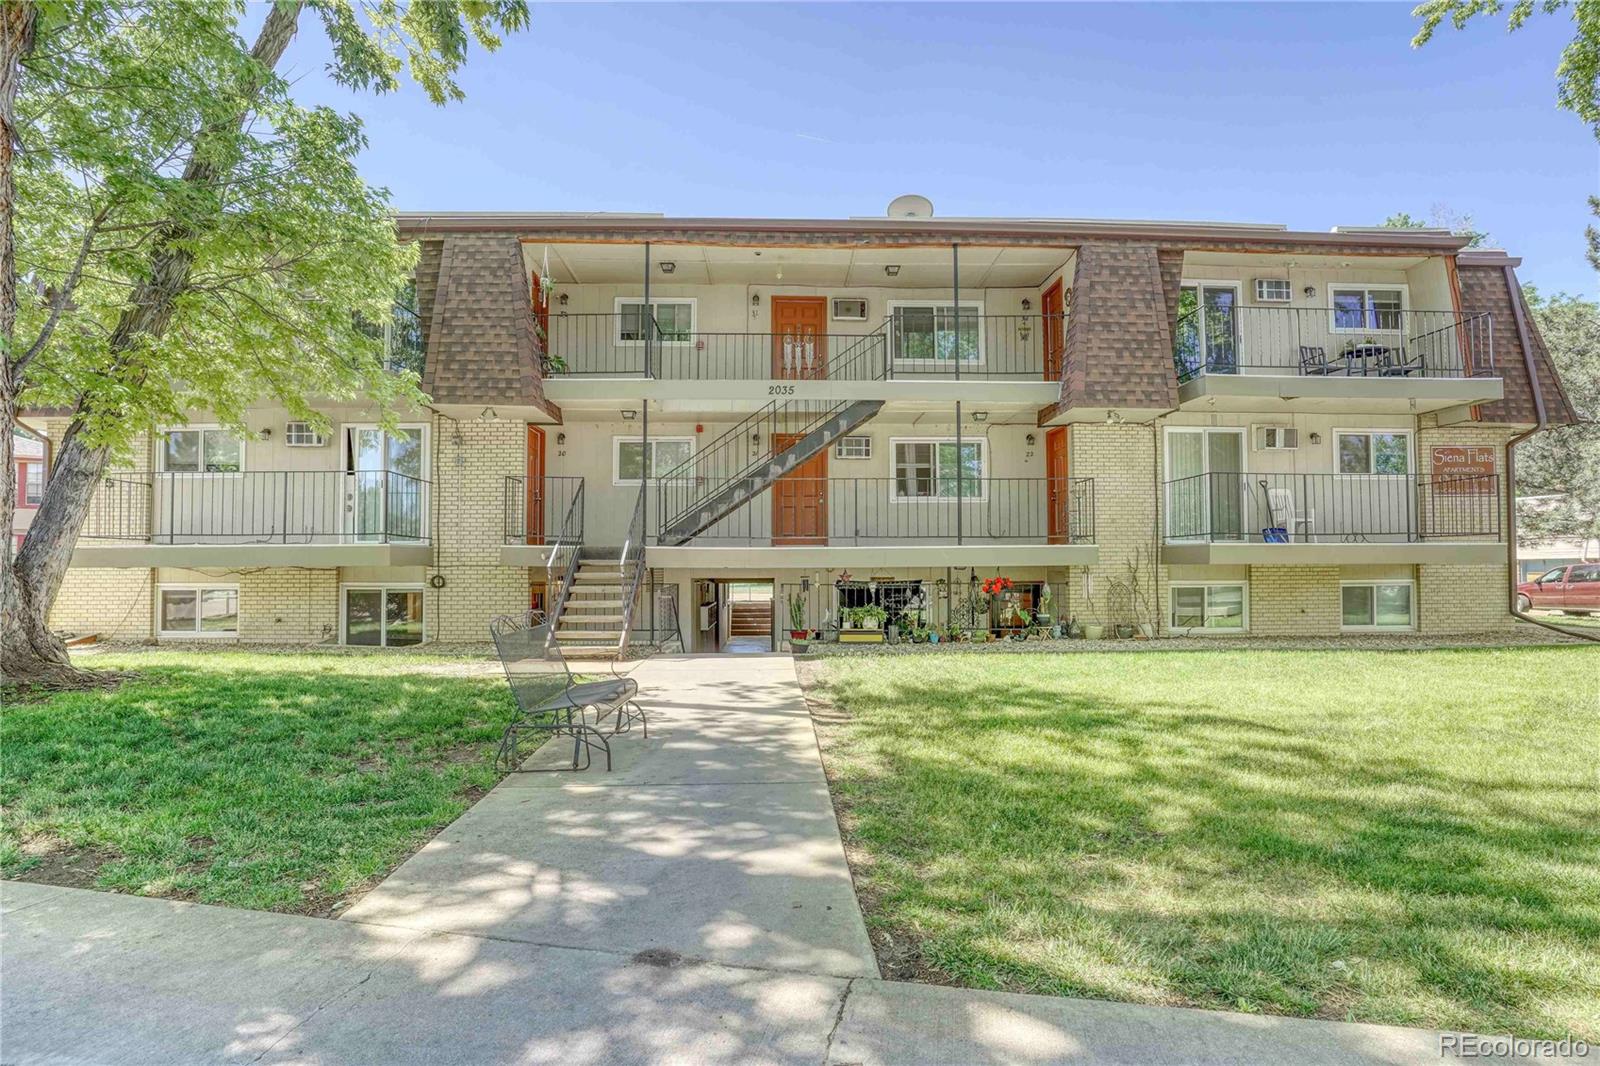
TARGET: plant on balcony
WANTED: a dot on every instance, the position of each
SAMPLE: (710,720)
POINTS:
(797,616)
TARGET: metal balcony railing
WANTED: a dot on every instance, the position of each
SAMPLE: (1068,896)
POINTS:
(547,510)
(1332,508)
(910,344)
(258,507)
(797,511)
(1325,341)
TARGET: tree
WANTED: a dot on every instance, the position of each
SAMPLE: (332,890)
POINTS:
(1440,217)
(1565,461)
(1577,75)
(176,232)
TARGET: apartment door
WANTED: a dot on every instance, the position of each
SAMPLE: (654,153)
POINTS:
(1057,485)
(1053,308)
(800,498)
(533,508)
(799,337)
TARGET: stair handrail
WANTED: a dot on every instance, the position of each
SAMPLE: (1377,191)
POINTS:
(632,552)
(571,531)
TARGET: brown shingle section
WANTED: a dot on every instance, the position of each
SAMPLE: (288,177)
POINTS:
(1486,288)
(1119,329)
(481,342)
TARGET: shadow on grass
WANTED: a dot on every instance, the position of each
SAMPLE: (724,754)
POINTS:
(1231,846)
(279,788)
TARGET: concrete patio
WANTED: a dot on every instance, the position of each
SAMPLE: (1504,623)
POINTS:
(693,906)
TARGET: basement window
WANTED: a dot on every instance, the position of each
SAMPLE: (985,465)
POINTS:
(1376,605)
(383,616)
(197,611)
(1209,608)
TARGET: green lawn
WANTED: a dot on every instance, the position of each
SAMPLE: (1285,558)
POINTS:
(274,781)
(1404,837)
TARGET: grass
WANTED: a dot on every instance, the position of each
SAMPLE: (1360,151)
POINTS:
(1400,837)
(272,781)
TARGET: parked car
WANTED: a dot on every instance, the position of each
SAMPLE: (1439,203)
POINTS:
(1571,589)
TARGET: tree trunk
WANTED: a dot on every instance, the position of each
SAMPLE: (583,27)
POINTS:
(29,651)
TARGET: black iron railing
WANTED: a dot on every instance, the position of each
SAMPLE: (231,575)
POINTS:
(916,607)
(547,510)
(1332,508)
(259,507)
(911,343)
(1321,341)
(797,511)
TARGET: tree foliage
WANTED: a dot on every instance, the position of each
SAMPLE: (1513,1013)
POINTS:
(1440,216)
(1565,461)
(186,234)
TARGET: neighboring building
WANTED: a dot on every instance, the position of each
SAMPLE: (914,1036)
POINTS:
(30,453)
(1230,428)
(1539,556)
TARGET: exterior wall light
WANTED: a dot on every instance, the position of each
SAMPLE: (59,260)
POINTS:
(629,416)
(668,266)
(892,270)
(562,299)
(1027,304)
(980,416)
(561,438)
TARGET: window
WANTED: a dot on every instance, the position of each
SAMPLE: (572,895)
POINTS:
(896,597)
(674,320)
(853,448)
(1583,574)
(30,483)
(1359,308)
(927,469)
(201,450)
(198,611)
(1552,575)
(1218,608)
(1375,452)
(1208,327)
(934,333)
(1376,605)
(383,616)
(666,455)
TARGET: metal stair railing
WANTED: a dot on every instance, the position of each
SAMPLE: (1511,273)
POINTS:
(570,536)
(632,555)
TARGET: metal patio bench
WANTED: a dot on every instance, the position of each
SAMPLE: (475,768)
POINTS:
(551,702)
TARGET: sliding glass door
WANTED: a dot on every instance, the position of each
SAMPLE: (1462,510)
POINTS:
(385,491)
(1205,484)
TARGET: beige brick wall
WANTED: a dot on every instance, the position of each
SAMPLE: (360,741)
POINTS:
(287,605)
(1122,461)
(471,462)
(1463,599)
(1294,601)
(115,603)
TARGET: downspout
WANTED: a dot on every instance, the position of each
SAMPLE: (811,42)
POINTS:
(1524,337)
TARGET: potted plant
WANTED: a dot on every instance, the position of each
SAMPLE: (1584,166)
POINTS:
(871,616)
(1094,631)
(797,617)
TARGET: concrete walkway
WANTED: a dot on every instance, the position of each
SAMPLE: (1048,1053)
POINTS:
(691,907)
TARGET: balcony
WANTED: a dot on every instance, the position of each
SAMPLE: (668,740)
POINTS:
(1329,519)
(1335,359)
(886,522)
(542,515)
(308,518)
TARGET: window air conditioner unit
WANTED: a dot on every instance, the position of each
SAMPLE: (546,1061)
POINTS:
(1272,291)
(1277,438)
(301,435)
(849,309)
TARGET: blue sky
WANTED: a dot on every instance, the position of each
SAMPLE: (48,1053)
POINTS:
(1312,115)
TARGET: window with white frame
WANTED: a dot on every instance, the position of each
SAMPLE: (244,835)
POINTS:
(855,447)
(933,333)
(1375,451)
(666,455)
(382,616)
(674,320)
(199,449)
(30,481)
(929,470)
(1218,608)
(1376,605)
(1357,307)
(197,610)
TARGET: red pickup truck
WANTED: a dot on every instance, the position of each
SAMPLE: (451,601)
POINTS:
(1572,589)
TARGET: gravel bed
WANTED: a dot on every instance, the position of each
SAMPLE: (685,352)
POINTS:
(1515,638)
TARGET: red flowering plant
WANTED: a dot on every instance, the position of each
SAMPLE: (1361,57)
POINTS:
(993,586)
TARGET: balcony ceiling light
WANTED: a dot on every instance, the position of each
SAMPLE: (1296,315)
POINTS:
(980,416)
(893,270)
(668,266)
(629,416)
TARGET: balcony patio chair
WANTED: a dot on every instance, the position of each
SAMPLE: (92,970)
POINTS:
(1315,360)
(1300,525)
(1395,363)
(551,702)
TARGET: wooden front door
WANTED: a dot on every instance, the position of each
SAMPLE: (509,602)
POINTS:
(533,515)
(1053,328)
(800,498)
(1059,487)
(799,337)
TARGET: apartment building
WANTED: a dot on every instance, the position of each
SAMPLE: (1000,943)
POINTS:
(1214,429)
